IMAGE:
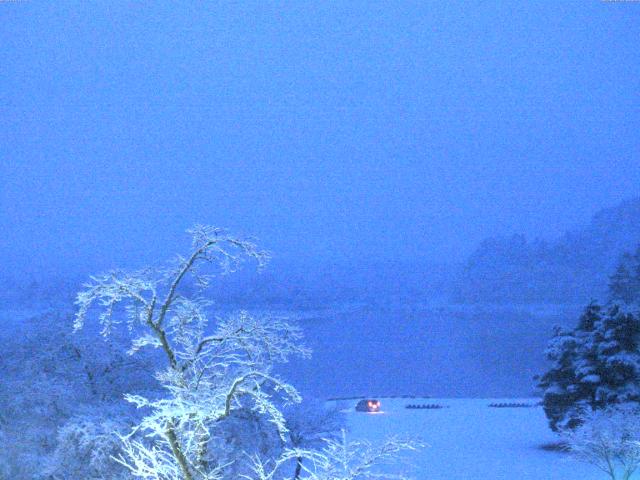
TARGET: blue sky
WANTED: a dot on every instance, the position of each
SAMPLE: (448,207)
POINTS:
(345,130)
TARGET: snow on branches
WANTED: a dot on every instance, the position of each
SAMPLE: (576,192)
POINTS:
(210,370)
(342,459)
(609,440)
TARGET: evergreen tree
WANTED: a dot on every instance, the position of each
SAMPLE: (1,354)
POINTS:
(618,352)
(594,366)
(624,284)
(564,385)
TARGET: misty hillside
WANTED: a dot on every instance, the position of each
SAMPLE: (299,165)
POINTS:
(572,268)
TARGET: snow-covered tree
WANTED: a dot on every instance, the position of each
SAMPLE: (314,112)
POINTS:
(50,375)
(592,367)
(86,445)
(567,388)
(609,440)
(211,371)
(624,284)
(558,383)
(218,377)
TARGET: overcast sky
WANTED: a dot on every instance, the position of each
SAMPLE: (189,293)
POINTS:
(357,129)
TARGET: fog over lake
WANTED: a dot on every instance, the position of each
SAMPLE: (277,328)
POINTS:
(440,200)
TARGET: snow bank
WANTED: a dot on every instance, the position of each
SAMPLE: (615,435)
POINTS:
(470,440)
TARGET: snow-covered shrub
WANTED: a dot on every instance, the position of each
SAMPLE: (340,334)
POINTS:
(48,376)
(594,366)
(86,445)
(311,424)
(341,459)
(609,440)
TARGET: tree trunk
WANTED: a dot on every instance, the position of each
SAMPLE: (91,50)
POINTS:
(177,452)
(298,468)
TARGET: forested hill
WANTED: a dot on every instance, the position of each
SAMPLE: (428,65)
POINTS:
(574,268)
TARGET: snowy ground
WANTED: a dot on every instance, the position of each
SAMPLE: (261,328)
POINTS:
(469,440)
